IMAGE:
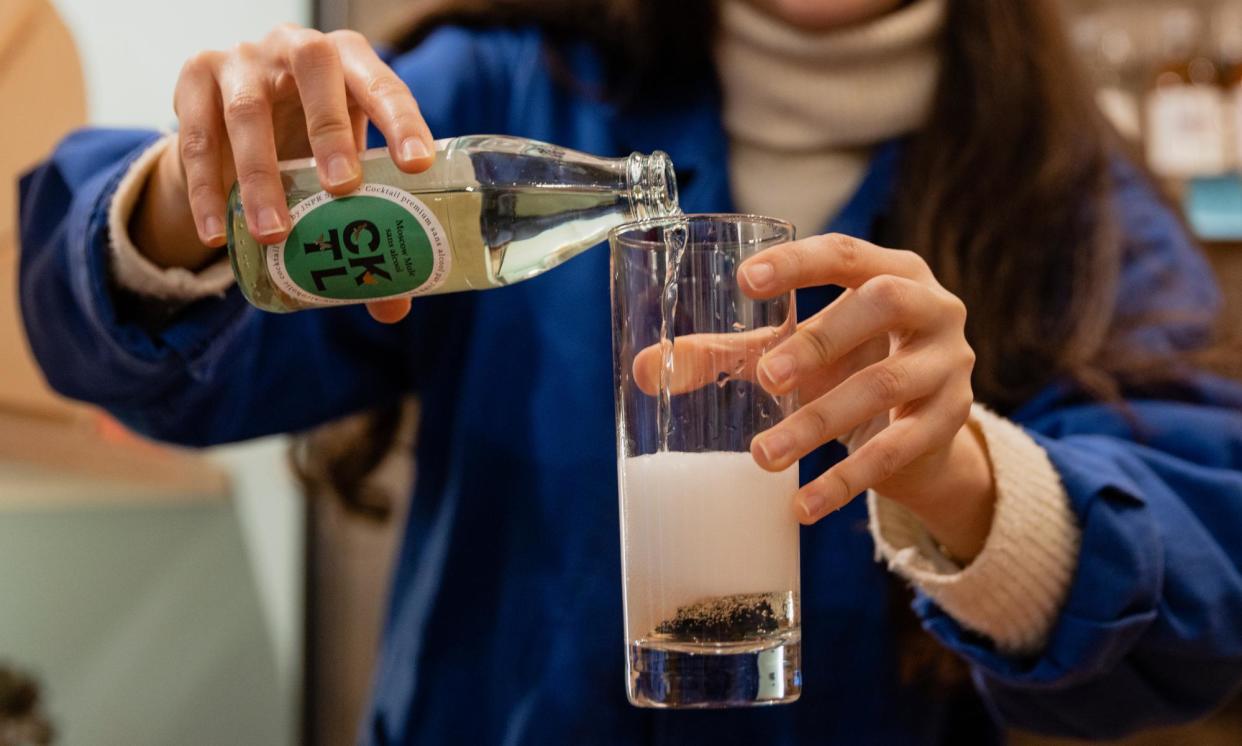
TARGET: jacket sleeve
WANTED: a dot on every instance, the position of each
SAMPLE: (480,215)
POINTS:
(220,370)
(1151,630)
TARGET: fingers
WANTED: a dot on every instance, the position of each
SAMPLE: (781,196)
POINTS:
(884,303)
(829,377)
(701,359)
(934,423)
(225,103)
(832,259)
(245,92)
(199,142)
(316,67)
(872,391)
(389,311)
(387,102)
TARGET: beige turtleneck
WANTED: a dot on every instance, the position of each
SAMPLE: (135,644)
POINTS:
(803,109)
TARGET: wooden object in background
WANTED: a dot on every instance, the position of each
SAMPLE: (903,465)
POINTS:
(51,449)
(47,463)
(39,67)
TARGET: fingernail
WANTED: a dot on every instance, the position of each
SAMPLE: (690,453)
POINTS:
(413,148)
(779,369)
(270,222)
(813,504)
(759,274)
(775,447)
(340,170)
(213,227)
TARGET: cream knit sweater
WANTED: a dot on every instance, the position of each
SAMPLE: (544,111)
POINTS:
(802,112)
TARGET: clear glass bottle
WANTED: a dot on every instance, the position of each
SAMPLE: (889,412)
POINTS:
(492,211)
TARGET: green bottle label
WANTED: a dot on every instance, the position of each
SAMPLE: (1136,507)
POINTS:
(377,242)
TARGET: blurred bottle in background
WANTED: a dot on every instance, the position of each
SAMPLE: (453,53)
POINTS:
(1185,104)
(1108,51)
(1227,24)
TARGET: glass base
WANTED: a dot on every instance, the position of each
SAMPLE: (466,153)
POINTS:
(665,675)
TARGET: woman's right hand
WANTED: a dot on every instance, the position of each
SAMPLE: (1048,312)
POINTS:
(296,93)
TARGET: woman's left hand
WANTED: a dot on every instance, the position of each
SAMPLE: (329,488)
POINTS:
(885,368)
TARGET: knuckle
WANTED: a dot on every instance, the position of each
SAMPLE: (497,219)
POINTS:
(969,358)
(284,84)
(846,251)
(820,343)
(197,143)
(792,258)
(245,105)
(957,309)
(313,50)
(887,459)
(253,177)
(817,424)
(917,264)
(385,85)
(835,475)
(328,125)
(888,383)
(199,62)
(886,292)
(348,36)
(245,50)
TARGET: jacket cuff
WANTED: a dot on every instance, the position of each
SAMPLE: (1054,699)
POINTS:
(132,270)
(1013,591)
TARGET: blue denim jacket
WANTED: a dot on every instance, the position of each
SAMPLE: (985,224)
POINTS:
(505,614)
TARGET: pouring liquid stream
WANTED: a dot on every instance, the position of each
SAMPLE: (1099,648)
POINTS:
(675,239)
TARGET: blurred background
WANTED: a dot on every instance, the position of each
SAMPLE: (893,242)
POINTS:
(150,595)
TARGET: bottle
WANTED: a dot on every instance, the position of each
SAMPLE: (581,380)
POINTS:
(491,211)
(1228,26)
(1185,108)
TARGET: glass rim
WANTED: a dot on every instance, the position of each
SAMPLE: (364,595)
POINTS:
(617,234)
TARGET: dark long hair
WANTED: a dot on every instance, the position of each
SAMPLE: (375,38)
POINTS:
(1006,190)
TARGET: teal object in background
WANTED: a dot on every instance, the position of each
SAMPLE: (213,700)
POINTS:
(1213,206)
(144,625)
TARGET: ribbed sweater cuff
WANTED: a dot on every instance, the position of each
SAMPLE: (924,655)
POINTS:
(1013,591)
(130,268)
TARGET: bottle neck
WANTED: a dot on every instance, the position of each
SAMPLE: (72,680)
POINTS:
(651,185)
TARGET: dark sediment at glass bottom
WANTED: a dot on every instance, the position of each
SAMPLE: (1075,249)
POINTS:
(735,618)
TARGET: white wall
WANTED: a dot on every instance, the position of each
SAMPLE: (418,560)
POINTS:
(132,50)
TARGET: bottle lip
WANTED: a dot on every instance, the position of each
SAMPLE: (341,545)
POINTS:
(663,181)
(652,185)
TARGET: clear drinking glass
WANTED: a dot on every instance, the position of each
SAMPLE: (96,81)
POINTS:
(709,539)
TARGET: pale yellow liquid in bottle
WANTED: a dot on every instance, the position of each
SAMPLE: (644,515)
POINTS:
(495,235)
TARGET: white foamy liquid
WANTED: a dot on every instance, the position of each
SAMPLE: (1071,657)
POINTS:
(701,525)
